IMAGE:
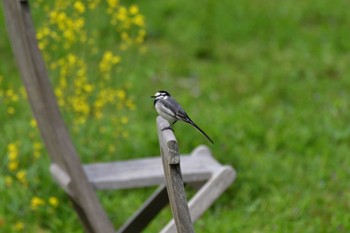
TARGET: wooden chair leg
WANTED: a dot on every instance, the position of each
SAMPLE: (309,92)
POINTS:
(145,214)
(205,197)
(82,217)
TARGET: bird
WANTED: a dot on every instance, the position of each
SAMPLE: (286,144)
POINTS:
(171,110)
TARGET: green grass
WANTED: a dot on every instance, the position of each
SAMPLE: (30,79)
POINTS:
(268,81)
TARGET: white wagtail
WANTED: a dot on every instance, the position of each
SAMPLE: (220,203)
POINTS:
(170,110)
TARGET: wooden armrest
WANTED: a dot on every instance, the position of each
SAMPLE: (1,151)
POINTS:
(149,171)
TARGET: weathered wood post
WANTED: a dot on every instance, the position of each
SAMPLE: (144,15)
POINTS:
(173,177)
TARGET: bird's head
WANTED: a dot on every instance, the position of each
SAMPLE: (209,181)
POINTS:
(160,95)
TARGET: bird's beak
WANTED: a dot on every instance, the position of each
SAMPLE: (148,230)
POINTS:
(152,96)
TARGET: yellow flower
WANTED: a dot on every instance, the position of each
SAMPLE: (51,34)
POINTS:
(37,147)
(23,92)
(130,105)
(12,151)
(79,6)
(142,32)
(19,226)
(125,37)
(113,3)
(108,55)
(33,123)
(69,35)
(88,88)
(14,98)
(93,4)
(124,120)
(134,10)
(53,15)
(10,92)
(36,202)
(121,94)
(60,20)
(139,20)
(36,154)
(78,90)
(122,14)
(108,60)
(12,166)
(61,102)
(116,59)
(72,59)
(42,45)
(58,92)
(21,176)
(53,201)
(40,35)
(11,110)
(79,24)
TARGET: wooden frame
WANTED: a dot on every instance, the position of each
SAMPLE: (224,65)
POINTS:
(80,181)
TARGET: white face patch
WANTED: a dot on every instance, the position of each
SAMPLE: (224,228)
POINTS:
(160,95)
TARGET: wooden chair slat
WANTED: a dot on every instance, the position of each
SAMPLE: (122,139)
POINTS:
(147,172)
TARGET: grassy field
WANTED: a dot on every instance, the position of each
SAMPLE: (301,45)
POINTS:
(269,81)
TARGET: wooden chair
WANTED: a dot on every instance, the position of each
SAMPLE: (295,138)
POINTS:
(80,181)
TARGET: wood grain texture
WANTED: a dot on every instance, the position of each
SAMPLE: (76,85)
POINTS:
(173,178)
(220,179)
(62,178)
(206,195)
(147,172)
(168,140)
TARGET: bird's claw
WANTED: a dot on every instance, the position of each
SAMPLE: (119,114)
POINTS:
(169,127)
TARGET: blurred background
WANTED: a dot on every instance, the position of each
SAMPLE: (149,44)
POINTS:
(267,80)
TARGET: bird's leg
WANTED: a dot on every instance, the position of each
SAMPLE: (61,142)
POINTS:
(169,127)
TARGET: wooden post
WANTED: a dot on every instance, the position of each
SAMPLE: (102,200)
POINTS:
(173,178)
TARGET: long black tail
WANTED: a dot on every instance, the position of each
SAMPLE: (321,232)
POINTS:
(189,121)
